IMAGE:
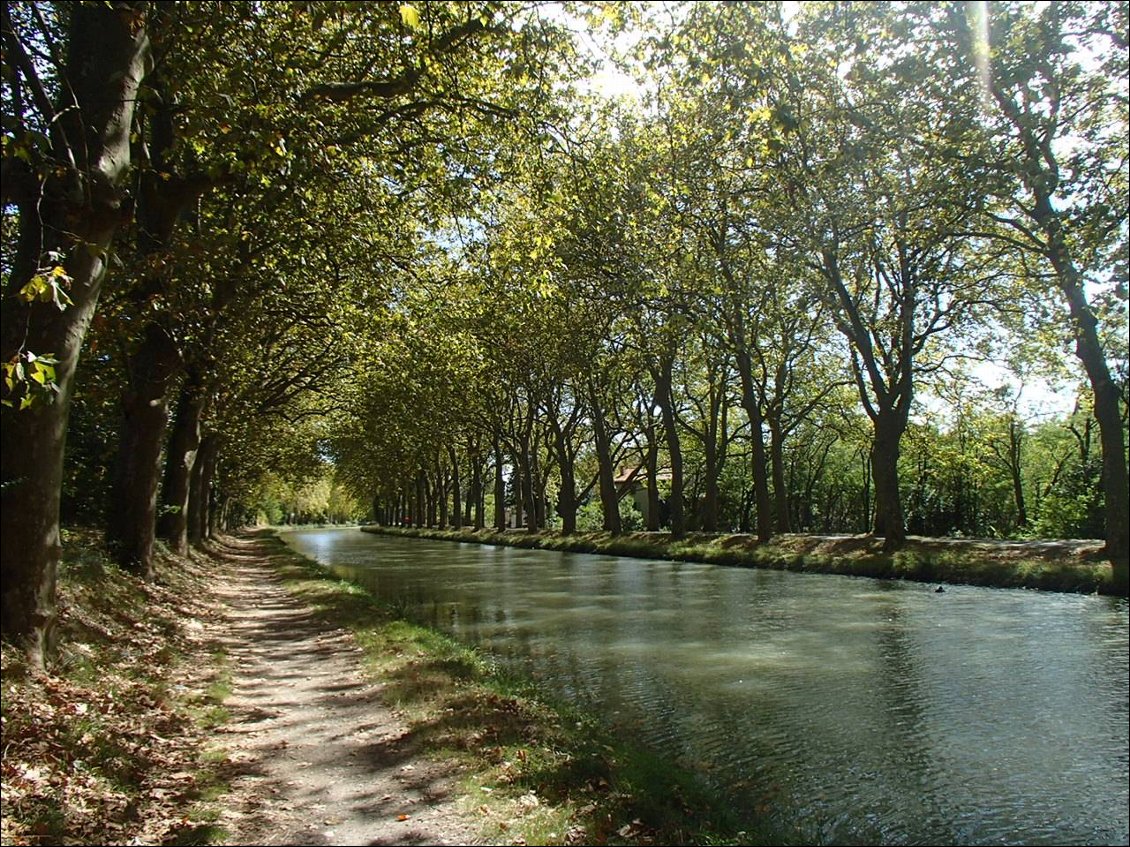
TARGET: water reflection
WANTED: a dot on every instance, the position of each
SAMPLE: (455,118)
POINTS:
(847,711)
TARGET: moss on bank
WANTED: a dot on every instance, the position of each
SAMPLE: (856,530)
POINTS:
(1069,566)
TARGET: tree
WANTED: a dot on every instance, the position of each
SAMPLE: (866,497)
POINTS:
(884,204)
(72,74)
(1055,108)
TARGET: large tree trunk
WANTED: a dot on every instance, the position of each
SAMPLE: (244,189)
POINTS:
(131,523)
(889,520)
(752,407)
(155,365)
(184,443)
(74,213)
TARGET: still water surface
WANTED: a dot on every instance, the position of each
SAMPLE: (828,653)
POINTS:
(844,710)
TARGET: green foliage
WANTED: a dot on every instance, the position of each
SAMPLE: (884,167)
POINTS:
(321,499)
(1066,515)
(590,518)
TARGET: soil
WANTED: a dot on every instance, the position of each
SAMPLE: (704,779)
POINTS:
(317,757)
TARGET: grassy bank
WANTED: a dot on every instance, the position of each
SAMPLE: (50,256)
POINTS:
(110,745)
(531,771)
(1070,566)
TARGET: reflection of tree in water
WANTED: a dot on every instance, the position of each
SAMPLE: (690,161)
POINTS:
(905,739)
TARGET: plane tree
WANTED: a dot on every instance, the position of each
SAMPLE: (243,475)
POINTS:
(1054,109)
(71,82)
(880,175)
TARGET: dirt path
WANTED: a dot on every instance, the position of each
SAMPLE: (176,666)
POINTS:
(318,758)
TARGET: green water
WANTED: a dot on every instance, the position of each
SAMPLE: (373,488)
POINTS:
(841,710)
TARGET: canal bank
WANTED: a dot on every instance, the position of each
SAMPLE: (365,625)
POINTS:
(1075,566)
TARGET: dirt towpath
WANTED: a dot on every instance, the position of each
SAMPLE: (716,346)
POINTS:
(318,759)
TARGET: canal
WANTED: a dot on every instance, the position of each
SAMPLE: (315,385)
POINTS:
(845,710)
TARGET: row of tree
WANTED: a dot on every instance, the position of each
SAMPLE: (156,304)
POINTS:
(810,222)
(209,196)
(404,239)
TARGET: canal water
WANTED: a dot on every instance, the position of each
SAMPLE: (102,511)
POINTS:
(842,710)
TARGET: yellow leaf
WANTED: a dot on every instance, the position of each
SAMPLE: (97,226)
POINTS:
(410,16)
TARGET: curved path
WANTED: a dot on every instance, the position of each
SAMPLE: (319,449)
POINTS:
(317,757)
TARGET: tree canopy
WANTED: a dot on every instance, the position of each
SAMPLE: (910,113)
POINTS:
(404,261)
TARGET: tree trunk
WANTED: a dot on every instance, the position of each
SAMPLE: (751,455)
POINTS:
(866,511)
(665,401)
(475,492)
(1015,438)
(567,494)
(519,520)
(780,487)
(606,476)
(198,485)
(651,483)
(154,366)
(1089,350)
(499,489)
(184,443)
(438,512)
(537,493)
(1041,178)
(752,407)
(889,521)
(131,524)
(456,491)
(420,518)
(208,457)
(75,213)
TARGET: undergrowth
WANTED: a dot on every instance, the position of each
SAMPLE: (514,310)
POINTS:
(106,747)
